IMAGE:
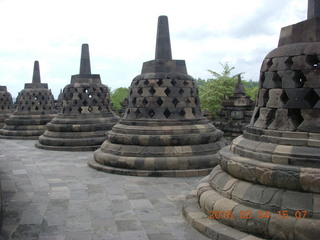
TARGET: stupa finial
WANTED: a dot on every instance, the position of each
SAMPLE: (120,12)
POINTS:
(85,67)
(36,73)
(163,46)
(313,9)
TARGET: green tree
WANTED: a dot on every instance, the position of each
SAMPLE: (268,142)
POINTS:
(251,88)
(118,95)
(216,89)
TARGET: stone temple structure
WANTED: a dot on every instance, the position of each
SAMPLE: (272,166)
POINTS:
(235,113)
(162,132)
(268,182)
(85,115)
(34,109)
(6,105)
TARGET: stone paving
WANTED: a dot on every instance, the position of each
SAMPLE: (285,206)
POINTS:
(51,195)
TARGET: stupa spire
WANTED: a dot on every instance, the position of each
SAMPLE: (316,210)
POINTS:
(163,46)
(85,67)
(313,9)
(36,73)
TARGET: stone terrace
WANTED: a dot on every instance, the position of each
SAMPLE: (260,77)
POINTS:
(54,195)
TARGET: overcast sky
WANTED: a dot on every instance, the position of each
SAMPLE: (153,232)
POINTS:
(122,34)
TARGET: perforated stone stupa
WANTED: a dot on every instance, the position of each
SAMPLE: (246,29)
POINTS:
(6,105)
(268,182)
(34,109)
(162,132)
(235,112)
(85,115)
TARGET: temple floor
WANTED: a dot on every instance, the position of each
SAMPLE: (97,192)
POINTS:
(54,195)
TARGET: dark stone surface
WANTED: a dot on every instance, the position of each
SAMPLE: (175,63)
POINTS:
(162,132)
(6,105)
(85,115)
(275,164)
(34,109)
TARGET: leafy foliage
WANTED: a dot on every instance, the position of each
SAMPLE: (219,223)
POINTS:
(117,96)
(213,91)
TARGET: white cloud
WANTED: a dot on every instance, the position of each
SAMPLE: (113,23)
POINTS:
(121,36)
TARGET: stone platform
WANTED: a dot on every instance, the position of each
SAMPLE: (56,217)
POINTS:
(54,195)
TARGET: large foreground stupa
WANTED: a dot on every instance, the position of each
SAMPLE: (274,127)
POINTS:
(268,182)
(85,115)
(6,105)
(163,132)
(34,109)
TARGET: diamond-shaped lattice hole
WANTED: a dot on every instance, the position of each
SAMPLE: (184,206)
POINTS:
(312,98)
(134,101)
(159,82)
(137,112)
(194,111)
(146,82)
(29,109)
(36,108)
(196,101)
(181,91)
(313,61)
(175,102)
(167,91)
(90,109)
(79,96)
(145,102)
(151,112)
(159,102)
(79,110)
(140,91)
(284,97)
(173,82)
(185,82)
(188,101)
(85,103)
(99,108)
(167,113)
(94,101)
(152,90)
(182,113)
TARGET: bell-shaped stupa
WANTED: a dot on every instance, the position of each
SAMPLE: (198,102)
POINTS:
(235,112)
(6,105)
(268,182)
(34,109)
(162,132)
(85,115)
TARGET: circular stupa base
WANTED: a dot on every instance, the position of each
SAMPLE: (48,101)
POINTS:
(67,148)
(149,173)
(211,228)
(19,137)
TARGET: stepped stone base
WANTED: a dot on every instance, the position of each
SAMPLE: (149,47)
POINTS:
(149,173)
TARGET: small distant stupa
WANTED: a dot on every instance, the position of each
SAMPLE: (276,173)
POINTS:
(34,109)
(6,105)
(235,113)
(162,132)
(85,115)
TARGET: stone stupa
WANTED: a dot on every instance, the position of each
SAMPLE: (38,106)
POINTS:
(268,182)
(34,109)
(6,105)
(235,113)
(85,115)
(162,132)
